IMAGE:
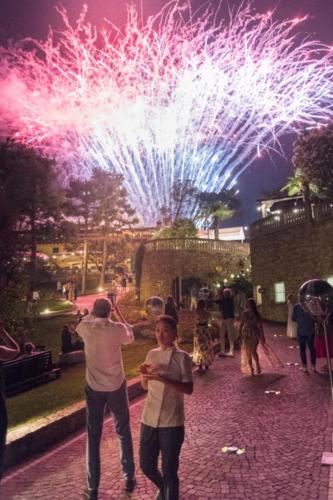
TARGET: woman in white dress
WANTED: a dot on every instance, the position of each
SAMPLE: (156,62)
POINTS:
(291,325)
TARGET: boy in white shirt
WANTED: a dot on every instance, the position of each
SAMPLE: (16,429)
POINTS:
(167,375)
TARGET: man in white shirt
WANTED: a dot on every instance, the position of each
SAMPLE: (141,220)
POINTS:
(167,375)
(106,387)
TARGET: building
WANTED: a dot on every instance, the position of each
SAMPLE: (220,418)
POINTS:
(287,250)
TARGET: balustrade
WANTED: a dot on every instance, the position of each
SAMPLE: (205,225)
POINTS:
(195,244)
(290,217)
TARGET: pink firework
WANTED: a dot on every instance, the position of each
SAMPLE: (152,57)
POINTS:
(173,99)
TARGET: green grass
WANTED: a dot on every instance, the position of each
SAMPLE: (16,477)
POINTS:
(54,305)
(47,332)
(69,388)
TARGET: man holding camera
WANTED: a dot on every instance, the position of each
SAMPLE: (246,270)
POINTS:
(106,387)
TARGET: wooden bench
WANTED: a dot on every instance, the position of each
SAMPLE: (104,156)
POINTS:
(26,372)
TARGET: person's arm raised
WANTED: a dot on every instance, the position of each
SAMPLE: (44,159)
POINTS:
(10,350)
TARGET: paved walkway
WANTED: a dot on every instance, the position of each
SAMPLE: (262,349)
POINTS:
(87,301)
(284,437)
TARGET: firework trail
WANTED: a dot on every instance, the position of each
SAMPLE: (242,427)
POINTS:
(180,97)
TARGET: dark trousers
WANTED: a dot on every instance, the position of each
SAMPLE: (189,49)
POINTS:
(117,402)
(307,341)
(168,441)
(3,431)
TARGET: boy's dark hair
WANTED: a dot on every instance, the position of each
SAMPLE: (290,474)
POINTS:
(169,320)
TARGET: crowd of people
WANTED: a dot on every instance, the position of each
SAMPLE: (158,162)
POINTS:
(67,290)
(166,375)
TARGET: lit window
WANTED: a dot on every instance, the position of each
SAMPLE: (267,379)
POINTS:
(330,280)
(258,295)
(280,293)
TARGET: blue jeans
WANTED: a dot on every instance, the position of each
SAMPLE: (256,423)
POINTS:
(117,403)
(168,441)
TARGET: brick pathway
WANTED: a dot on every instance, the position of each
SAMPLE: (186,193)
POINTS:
(87,301)
(284,437)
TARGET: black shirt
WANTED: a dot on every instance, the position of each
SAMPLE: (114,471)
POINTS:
(226,306)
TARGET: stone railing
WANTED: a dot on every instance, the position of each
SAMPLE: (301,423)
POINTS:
(290,217)
(197,245)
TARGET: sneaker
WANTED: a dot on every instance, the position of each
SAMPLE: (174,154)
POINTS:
(230,354)
(130,484)
(304,369)
(90,494)
(313,369)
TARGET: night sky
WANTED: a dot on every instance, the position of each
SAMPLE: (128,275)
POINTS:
(20,18)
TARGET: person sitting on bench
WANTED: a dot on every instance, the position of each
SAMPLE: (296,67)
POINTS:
(68,344)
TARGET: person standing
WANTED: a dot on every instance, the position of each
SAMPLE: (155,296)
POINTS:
(59,288)
(167,375)
(306,335)
(106,387)
(194,292)
(8,351)
(226,306)
(203,353)
(291,325)
(239,302)
(76,291)
(251,332)
(170,308)
(71,295)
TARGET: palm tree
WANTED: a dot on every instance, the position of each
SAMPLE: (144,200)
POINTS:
(218,207)
(299,185)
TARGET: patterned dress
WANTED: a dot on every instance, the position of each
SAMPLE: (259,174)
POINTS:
(250,333)
(203,353)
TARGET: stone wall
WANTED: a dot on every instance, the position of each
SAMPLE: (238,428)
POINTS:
(291,254)
(161,265)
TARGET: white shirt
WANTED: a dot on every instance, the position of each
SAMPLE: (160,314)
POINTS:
(164,405)
(102,346)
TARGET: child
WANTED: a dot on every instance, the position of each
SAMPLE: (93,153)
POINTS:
(167,375)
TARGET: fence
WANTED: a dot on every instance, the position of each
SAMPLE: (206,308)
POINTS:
(196,245)
(290,217)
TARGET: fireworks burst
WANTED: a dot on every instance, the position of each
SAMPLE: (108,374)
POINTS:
(178,98)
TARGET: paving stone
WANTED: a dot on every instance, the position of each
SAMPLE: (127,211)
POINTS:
(284,437)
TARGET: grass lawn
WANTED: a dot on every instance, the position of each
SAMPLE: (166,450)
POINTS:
(68,389)
(54,396)
(54,305)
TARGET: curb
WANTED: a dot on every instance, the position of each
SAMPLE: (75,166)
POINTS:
(49,431)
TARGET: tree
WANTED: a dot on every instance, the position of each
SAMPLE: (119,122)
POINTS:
(32,199)
(298,185)
(80,204)
(111,210)
(218,207)
(180,228)
(183,195)
(313,163)
(101,203)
